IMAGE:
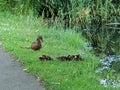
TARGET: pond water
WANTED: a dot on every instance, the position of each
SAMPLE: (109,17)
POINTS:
(110,82)
(105,41)
(111,66)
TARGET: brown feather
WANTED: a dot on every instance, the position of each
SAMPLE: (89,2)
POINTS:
(36,45)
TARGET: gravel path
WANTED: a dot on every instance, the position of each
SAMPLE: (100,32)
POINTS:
(12,77)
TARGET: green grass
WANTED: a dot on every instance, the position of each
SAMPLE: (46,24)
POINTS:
(16,31)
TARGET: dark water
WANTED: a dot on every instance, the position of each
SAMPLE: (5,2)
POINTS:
(104,39)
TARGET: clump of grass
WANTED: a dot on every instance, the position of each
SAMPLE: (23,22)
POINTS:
(16,31)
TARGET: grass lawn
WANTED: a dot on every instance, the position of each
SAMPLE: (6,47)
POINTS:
(16,31)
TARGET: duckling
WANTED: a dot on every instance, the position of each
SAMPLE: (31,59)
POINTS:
(70,58)
(45,58)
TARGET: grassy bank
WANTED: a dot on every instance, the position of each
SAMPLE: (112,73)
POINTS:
(87,15)
(74,75)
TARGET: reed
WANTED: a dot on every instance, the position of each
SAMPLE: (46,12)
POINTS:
(81,11)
